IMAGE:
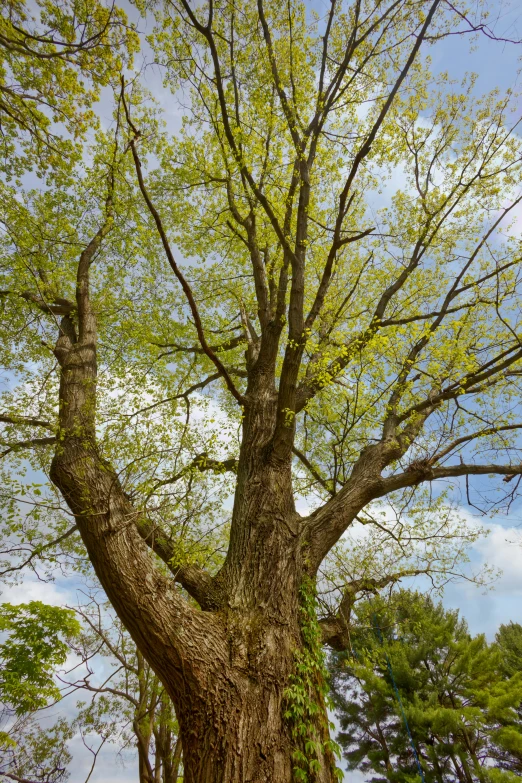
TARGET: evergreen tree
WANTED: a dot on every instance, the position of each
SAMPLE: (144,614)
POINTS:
(508,749)
(417,691)
(509,642)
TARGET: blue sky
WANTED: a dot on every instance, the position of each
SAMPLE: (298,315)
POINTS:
(497,65)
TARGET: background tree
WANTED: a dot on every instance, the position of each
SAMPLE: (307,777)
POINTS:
(414,668)
(130,706)
(509,642)
(35,642)
(352,354)
(508,751)
(127,707)
(34,645)
(34,754)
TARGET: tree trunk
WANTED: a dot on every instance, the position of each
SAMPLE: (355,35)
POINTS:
(226,670)
(236,731)
(171,768)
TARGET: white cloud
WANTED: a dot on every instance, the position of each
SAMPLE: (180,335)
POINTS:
(502,549)
(56,593)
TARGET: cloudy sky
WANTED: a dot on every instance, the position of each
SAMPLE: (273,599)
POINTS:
(496,65)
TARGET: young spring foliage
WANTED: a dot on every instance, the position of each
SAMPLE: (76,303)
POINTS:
(55,57)
(308,292)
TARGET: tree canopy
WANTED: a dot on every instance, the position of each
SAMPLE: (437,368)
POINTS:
(54,59)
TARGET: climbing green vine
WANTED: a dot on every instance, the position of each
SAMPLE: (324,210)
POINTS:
(308,689)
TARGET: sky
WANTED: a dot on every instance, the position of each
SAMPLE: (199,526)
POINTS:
(496,65)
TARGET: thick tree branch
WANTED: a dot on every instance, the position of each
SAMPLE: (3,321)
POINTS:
(469,384)
(420,471)
(161,622)
(9,418)
(196,581)
(27,444)
(85,316)
(336,629)
(55,306)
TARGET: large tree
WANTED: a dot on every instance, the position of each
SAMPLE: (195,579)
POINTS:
(355,354)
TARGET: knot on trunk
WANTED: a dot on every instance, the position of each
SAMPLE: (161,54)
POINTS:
(420,466)
(335,633)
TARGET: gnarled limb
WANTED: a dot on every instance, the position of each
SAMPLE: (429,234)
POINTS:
(53,306)
(423,471)
(196,581)
(150,606)
(202,463)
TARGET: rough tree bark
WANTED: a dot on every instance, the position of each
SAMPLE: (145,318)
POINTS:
(226,668)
